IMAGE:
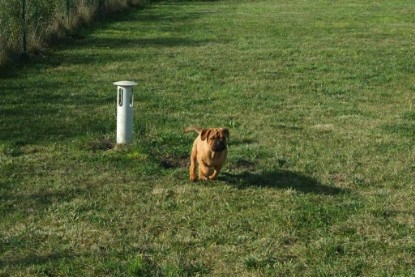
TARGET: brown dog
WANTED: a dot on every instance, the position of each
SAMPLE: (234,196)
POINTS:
(209,151)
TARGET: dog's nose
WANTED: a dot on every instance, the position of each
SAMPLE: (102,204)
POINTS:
(220,145)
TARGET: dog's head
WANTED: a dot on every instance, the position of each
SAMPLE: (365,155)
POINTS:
(216,138)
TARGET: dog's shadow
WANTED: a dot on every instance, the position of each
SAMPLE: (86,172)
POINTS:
(280,179)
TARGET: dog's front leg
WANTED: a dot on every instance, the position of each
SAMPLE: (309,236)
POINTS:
(215,172)
(204,172)
(192,169)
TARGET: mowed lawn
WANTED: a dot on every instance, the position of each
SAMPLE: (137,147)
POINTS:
(320,179)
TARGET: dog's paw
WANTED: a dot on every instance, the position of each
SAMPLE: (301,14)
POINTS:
(204,178)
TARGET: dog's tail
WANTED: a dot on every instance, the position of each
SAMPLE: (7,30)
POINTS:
(196,129)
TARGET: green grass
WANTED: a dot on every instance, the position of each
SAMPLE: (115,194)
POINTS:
(318,97)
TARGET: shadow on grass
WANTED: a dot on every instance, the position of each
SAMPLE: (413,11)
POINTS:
(37,260)
(20,246)
(280,179)
(33,202)
(165,42)
(49,107)
(41,118)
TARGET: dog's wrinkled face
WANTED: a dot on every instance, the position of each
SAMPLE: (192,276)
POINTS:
(216,138)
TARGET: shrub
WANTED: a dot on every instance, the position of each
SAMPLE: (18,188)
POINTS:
(26,25)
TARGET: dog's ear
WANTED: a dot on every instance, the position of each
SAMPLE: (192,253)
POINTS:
(204,134)
(226,132)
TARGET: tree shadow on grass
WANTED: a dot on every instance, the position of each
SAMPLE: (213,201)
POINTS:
(35,201)
(18,248)
(51,107)
(36,259)
(281,179)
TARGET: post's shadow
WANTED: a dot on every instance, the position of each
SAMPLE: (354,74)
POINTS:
(280,179)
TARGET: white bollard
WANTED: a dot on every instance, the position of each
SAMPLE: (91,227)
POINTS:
(125,100)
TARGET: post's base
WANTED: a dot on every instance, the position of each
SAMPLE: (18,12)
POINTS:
(120,146)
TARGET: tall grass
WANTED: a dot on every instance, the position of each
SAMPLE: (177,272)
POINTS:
(26,25)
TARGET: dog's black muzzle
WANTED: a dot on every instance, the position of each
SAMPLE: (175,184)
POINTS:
(219,146)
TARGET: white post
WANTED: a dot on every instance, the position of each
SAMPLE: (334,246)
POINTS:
(125,111)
